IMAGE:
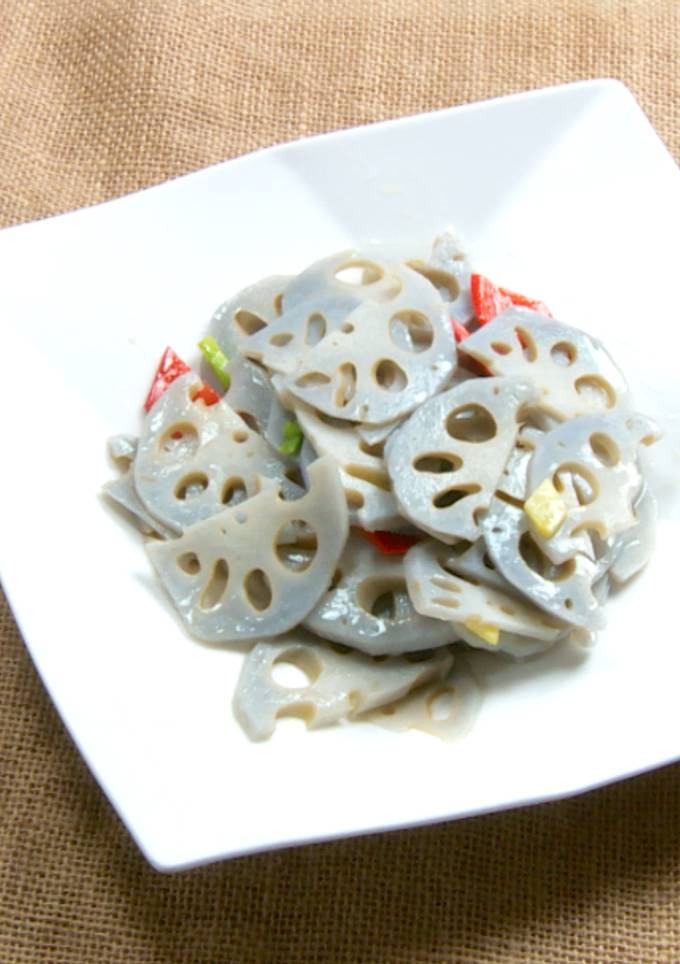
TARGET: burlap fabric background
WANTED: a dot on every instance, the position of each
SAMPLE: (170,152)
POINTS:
(100,98)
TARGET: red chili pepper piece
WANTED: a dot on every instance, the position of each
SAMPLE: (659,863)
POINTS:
(523,302)
(389,543)
(489,300)
(207,395)
(460,331)
(170,368)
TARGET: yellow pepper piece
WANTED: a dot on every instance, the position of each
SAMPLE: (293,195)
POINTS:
(546,509)
(486,631)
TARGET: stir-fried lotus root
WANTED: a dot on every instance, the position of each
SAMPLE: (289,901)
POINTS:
(496,488)
(259,568)
(572,371)
(341,683)
(446,460)
(193,460)
(368,606)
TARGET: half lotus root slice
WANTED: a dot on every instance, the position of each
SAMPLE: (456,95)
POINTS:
(364,477)
(438,593)
(597,456)
(446,707)
(368,606)
(242,574)
(446,460)
(384,360)
(448,270)
(572,370)
(193,460)
(248,312)
(340,683)
(565,592)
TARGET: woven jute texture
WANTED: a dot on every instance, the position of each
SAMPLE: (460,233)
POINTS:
(101,98)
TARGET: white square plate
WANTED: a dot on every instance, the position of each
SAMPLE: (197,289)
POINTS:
(566,194)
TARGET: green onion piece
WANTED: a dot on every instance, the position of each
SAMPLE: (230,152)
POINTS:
(292,438)
(216,358)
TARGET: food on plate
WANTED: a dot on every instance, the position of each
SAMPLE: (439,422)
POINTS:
(382,463)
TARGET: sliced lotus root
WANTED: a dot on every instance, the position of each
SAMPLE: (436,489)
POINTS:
(446,707)
(448,270)
(240,575)
(565,591)
(375,436)
(384,360)
(636,545)
(248,312)
(193,460)
(122,491)
(446,460)
(340,683)
(285,344)
(250,393)
(364,477)
(596,455)
(572,370)
(437,592)
(359,276)
(368,607)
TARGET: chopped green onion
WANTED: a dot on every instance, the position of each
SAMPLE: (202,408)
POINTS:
(216,358)
(292,438)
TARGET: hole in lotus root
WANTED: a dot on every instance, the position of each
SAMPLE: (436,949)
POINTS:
(250,420)
(563,353)
(595,391)
(605,449)
(346,384)
(305,712)
(376,450)
(471,423)
(359,273)
(278,303)
(445,283)
(180,441)
(233,491)
(434,462)
(295,545)
(539,563)
(190,563)
(312,380)
(281,339)
(449,497)
(257,589)
(411,331)
(378,597)
(315,329)
(216,586)
(191,486)
(586,486)
(373,476)
(240,436)
(390,376)
(335,581)
(527,344)
(501,347)
(296,669)
(441,703)
(355,499)
(249,323)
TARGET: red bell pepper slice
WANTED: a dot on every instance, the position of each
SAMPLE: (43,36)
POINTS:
(170,368)
(389,543)
(489,300)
